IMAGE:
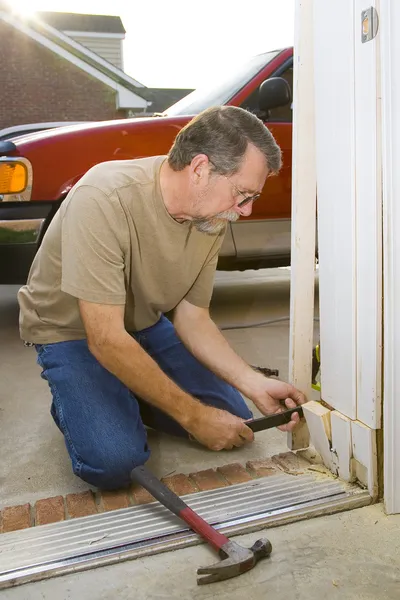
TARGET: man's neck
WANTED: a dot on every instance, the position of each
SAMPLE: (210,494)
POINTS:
(173,186)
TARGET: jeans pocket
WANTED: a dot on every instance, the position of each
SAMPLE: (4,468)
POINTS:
(40,351)
(40,348)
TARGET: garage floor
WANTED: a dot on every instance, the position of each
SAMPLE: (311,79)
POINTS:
(35,463)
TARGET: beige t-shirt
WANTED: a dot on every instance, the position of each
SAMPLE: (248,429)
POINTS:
(113,242)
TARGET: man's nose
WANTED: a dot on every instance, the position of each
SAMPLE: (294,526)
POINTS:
(245,211)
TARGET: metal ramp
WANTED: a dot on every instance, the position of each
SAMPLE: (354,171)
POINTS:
(88,542)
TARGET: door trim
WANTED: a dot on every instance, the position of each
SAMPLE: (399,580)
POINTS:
(390,65)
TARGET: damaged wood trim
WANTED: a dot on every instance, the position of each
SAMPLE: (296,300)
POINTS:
(347,447)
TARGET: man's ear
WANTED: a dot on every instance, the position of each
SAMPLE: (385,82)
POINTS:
(200,168)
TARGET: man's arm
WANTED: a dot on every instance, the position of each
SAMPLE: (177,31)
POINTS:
(120,354)
(204,340)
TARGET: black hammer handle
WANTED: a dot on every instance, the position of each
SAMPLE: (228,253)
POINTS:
(158,490)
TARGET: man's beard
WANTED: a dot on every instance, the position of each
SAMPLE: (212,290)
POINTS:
(216,224)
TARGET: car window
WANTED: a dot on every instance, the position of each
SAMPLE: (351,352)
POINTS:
(280,114)
(213,95)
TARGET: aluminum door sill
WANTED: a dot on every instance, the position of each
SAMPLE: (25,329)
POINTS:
(84,543)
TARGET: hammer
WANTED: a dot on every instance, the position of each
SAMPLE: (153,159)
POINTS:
(236,559)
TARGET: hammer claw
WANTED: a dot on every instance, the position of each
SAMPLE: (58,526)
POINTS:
(223,570)
(208,579)
(238,561)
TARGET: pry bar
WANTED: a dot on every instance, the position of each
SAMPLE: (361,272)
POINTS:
(266,371)
(274,420)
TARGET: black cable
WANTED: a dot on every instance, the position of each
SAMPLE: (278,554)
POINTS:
(259,324)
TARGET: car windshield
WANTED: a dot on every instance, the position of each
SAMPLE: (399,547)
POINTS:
(203,98)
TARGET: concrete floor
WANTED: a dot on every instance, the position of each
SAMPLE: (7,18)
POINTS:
(349,556)
(35,463)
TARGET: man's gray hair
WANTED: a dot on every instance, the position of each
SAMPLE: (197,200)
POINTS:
(223,133)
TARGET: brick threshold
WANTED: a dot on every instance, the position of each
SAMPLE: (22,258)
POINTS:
(70,506)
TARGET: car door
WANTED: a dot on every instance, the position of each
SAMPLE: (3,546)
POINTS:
(266,233)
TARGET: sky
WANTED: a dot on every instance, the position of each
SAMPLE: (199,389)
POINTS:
(184,43)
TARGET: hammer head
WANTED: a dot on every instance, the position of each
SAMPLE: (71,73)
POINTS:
(236,560)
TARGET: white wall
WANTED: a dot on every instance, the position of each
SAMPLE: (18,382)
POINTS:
(108,48)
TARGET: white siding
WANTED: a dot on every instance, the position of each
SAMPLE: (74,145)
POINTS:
(108,48)
(349,214)
(335,151)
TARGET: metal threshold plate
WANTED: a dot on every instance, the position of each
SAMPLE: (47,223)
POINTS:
(77,544)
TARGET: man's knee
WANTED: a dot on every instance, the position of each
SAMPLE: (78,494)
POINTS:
(111,470)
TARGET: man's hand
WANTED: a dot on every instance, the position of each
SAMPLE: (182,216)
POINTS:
(204,340)
(269,396)
(218,429)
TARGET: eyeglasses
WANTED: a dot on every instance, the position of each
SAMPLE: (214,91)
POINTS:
(246,199)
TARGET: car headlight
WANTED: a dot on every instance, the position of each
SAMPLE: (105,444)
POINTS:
(13,177)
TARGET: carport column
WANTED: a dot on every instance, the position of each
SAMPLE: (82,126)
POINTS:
(303,212)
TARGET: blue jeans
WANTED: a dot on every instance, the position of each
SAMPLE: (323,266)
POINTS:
(101,419)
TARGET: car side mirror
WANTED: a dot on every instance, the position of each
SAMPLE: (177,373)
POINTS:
(273,92)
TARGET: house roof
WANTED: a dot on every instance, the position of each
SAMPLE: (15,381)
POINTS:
(82,52)
(131,93)
(82,22)
(43,27)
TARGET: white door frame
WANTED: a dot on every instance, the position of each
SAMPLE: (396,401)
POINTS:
(368,222)
(302,279)
(390,71)
(348,165)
